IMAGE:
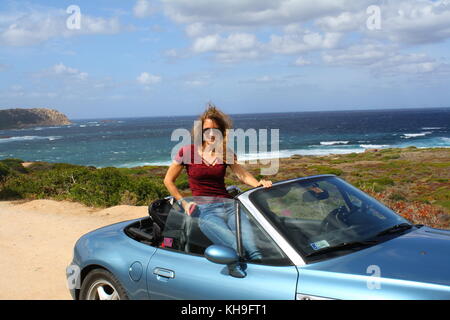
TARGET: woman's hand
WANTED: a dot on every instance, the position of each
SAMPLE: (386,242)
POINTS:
(264,183)
(247,178)
(188,207)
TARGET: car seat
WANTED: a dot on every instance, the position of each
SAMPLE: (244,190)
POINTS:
(174,229)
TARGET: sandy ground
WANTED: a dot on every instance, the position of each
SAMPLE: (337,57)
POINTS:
(37,239)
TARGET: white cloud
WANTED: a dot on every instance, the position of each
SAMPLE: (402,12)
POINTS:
(255,12)
(62,71)
(64,82)
(302,62)
(303,26)
(232,43)
(195,29)
(143,9)
(171,53)
(35,25)
(235,47)
(357,55)
(411,64)
(403,22)
(205,44)
(386,60)
(303,42)
(343,22)
(148,79)
(99,25)
(416,22)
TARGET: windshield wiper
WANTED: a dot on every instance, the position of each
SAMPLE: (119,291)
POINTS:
(397,228)
(343,246)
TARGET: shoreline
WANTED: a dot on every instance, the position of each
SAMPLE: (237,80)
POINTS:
(27,163)
(294,155)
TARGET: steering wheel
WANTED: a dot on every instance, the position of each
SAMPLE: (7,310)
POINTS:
(336,219)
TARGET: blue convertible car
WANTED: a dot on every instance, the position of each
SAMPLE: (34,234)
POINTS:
(317,237)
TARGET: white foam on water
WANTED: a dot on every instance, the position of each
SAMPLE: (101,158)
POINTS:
(29,138)
(415,135)
(332,143)
(374,146)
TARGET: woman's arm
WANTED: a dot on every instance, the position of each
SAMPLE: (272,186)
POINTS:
(171,176)
(169,181)
(247,178)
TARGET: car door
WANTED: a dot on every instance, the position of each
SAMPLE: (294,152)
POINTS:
(173,273)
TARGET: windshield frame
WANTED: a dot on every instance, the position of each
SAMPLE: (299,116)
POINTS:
(271,229)
(251,194)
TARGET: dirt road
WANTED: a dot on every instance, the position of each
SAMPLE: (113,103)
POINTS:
(36,243)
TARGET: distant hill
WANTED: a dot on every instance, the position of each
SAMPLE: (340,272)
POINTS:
(25,118)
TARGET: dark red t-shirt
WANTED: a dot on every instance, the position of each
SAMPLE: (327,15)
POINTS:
(204,179)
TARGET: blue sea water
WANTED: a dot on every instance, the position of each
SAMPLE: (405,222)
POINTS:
(131,142)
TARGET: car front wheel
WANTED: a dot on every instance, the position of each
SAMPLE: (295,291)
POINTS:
(100,284)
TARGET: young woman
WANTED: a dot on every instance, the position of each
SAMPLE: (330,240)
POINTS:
(206,165)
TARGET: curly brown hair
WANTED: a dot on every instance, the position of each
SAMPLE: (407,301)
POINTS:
(222,120)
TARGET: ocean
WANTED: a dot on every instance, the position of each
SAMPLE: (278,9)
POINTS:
(132,142)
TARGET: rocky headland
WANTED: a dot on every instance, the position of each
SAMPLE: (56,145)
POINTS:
(24,118)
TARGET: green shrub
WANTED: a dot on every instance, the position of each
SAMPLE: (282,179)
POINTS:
(100,188)
(147,190)
(14,165)
(94,187)
(10,162)
(5,171)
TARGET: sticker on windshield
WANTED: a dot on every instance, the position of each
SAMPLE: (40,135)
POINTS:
(320,245)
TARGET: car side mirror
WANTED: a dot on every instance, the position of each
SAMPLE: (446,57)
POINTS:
(221,254)
(228,256)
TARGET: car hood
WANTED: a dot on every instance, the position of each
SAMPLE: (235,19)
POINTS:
(419,258)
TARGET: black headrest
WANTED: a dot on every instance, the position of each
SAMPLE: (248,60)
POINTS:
(159,210)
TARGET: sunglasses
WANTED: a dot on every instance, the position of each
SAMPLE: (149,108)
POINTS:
(206,130)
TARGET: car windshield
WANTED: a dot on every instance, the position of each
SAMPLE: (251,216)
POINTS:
(324,215)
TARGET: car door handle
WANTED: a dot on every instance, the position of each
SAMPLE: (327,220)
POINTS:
(165,273)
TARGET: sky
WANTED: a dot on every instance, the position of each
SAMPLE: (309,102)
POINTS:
(139,58)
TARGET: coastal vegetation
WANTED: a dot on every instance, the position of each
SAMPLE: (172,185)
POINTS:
(413,182)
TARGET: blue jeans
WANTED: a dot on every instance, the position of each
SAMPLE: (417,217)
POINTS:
(218,222)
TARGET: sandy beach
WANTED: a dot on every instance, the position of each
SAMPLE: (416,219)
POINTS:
(37,239)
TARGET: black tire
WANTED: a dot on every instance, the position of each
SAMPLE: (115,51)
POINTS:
(101,284)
